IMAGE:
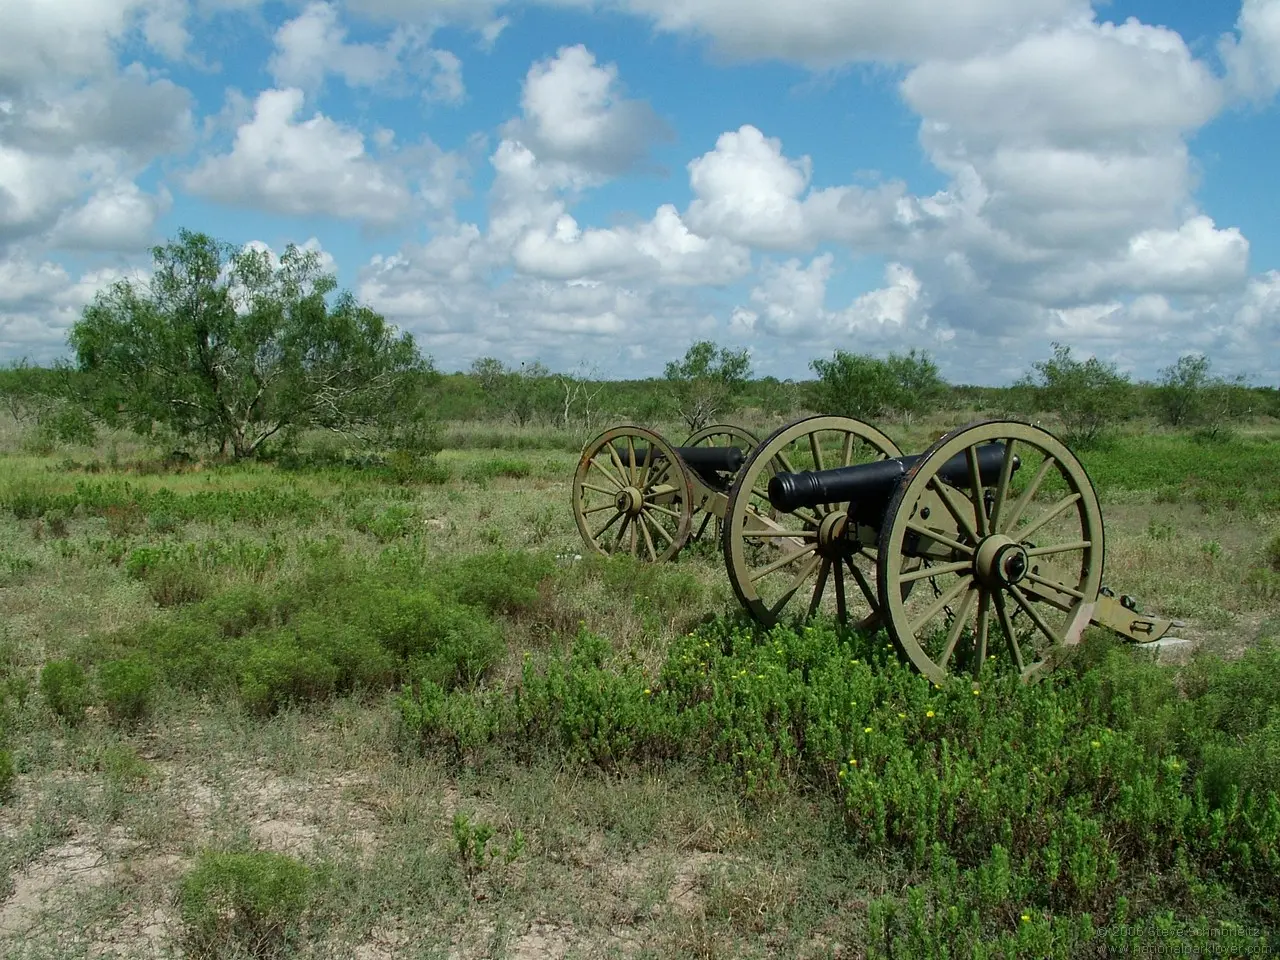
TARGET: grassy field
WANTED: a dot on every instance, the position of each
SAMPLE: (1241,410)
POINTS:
(313,709)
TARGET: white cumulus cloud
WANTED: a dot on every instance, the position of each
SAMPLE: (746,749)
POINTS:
(304,166)
(575,112)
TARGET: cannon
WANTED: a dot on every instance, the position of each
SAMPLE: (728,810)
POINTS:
(987,546)
(985,551)
(633,492)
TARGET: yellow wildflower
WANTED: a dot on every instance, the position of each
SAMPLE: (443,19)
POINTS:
(928,713)
(866,729)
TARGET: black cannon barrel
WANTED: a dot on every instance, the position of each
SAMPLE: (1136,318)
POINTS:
(870,485)
(724,459)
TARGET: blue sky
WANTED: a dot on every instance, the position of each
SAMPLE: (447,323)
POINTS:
(598,184)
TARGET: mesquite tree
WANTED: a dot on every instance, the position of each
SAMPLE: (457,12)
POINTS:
(232,346)
(707,382)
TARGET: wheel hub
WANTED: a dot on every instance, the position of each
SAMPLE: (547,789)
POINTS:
(629,501)
(1001,561)
(832,535)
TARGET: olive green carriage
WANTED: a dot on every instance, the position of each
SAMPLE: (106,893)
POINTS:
(987,546)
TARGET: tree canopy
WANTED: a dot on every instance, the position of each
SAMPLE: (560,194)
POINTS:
(707,381)
(866,387)
(233,346)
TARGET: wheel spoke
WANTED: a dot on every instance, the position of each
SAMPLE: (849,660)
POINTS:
(982,628)
(648,538)
(816,448)
(616,481)
(643,482)
(1034,614)
(659,527)
(1055,585)
(863,584)
(795,585)
(617,538)
(1002,485)
(1059,548)
(595,489)
(957,627)
(964,583)
(1012,520)
(935,535)
(617,462)
(1051,514)
(846,454)
(634,538)
(924,573)
(654,477)
(612,520)
(661,509)
(823,573)
(781,534)
(607,506)
(781,562)
(1006,624)
(804,514)
(948,497)
(975,490)
(842,605)
(631,462)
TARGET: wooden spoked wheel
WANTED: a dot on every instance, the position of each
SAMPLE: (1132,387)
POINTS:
(706,520)
(1006,563)
(812,560)
(632,494)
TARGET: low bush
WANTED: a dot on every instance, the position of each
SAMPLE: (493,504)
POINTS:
(254,902)
(483,471)
(126,689)
(65,689)
(497,581)
(1057,803)
(338,626)
(8,774)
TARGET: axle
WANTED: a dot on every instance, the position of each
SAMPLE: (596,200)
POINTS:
(870,485)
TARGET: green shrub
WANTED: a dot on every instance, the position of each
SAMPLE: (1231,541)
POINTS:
(238,610)
(121,764)
(497,581)
(1055,802)
(253,902)
(408,467)
(65,689)
(1271,553)
(447,642)
(482,471)
(127,689)
(279,670)
(386,525)
(8,774)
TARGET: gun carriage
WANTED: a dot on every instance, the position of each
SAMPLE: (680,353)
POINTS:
(988,546)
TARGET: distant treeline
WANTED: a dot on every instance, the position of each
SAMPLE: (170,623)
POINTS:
(228,349)
(1087,396)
